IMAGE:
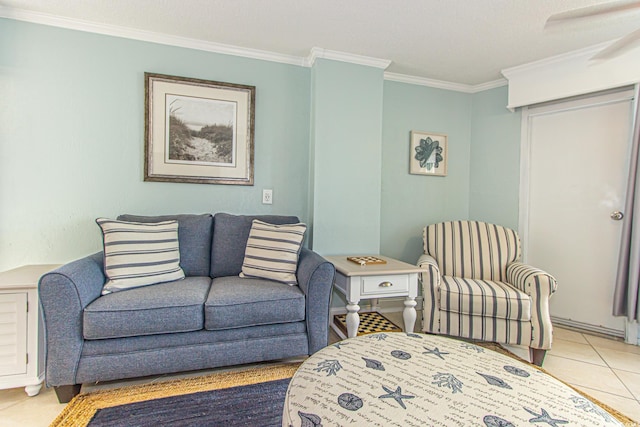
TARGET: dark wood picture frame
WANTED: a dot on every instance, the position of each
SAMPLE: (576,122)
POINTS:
(198,131)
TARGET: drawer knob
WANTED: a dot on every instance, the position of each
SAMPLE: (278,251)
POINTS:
(385,284)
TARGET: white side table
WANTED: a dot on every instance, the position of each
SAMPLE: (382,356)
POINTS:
(373,281)
(21,337)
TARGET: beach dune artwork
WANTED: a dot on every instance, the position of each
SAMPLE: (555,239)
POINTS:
(200,131)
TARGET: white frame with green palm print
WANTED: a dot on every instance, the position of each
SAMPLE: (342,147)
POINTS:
(428,154)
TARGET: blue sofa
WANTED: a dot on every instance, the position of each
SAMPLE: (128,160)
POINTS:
(211,318)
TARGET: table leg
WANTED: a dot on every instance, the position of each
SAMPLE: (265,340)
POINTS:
(409,314)
(353,319)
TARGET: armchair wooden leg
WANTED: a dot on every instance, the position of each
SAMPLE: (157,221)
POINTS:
(67,392)
(537,355)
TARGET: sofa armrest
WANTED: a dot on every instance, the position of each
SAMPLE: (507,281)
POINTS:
(315,277)
(539,285)
(64,293)
(430,293)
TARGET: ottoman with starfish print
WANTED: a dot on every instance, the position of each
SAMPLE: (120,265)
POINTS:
(401,379)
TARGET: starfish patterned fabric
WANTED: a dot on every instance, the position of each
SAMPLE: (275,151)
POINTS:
(399,379)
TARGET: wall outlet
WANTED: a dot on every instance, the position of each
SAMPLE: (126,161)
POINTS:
(267,197)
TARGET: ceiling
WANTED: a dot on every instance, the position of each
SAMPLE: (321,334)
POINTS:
(459,41)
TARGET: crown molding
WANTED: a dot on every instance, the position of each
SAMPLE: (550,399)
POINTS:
(319,53)
(553,61)
(147,36)
(489,85)
(571,74)
(442,84)
(189,43)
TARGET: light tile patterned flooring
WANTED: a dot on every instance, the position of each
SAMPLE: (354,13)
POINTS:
(608,370)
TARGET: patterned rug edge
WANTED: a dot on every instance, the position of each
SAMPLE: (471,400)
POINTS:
(83,407)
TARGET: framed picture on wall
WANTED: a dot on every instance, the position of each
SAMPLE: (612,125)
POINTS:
(428,154)
(198,131)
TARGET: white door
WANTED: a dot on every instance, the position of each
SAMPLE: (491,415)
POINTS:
(577,168)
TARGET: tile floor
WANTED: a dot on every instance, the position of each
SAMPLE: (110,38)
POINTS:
(607,369)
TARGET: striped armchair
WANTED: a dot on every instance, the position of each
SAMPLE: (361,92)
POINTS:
(476,288)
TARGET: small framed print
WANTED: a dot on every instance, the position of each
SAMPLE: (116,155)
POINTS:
(428,154)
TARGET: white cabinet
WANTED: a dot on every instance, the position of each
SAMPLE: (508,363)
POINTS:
(21,336)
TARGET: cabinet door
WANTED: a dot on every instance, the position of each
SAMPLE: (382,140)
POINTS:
(13,333)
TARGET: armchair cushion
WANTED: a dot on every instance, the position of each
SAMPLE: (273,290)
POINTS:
(234,302)
(138,254)
(484,298)
(272,251)
(157,309)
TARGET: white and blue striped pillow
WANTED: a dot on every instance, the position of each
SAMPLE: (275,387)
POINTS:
(272,251)
(139,254)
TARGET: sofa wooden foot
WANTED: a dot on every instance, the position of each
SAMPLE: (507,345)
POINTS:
(537,355)
(67,392)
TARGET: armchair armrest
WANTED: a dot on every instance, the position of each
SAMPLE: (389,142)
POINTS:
(525,277)
(539,285)
(430,293)
(64,293)
(315,277)
(430,263)
(427,260)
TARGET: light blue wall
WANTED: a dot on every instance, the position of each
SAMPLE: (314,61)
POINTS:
(332,142)
(409,202)
(483,176)
(495,159)
(347,129)
(72,138)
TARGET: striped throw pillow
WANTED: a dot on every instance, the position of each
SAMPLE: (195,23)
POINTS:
(272,251)
(139,254)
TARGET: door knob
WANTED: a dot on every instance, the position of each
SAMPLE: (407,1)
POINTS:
(617,215)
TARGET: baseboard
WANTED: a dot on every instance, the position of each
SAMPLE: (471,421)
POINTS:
(631,333)
(587,328)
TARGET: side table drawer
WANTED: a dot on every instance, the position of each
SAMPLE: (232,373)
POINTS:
(375,285)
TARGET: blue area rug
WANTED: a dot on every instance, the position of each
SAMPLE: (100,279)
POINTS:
(251,405)
(238,397)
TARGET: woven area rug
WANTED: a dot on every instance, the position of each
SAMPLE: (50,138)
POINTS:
(253,397)
(245,398)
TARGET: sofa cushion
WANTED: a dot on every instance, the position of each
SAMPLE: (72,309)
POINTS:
(230,240)
(194,235)
(272,251)
(484,298)
(137,254)
(157,309)
(234,302)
